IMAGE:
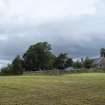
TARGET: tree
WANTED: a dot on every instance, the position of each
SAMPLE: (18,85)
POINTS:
(69,62)
(7,70)
(60,61)
(17,68)
(39,56)
(87,63)
(77,64)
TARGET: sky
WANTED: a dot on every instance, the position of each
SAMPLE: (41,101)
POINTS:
(72,26)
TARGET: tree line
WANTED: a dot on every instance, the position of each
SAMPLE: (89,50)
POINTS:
(40,57)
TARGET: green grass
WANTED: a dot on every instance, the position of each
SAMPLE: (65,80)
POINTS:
(69,89)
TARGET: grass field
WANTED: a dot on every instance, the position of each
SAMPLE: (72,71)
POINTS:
(69,89)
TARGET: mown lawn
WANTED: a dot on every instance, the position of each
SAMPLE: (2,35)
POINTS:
(69,89)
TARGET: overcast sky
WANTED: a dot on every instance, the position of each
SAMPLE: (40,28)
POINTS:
(73,26)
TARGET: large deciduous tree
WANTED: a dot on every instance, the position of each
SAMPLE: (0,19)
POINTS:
(39,56)
(17,68)
(69,62)
(60,61)
(87,63)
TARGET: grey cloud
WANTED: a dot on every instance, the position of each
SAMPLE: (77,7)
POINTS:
(77,34)
(72,39)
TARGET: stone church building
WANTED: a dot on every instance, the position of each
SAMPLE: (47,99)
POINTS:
(99,62)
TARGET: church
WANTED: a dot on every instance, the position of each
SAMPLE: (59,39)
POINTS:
(100,62)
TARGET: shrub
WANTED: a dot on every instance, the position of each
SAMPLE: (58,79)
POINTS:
(77,65)
(7,70)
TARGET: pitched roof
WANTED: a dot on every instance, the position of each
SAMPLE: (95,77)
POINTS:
(99,60)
